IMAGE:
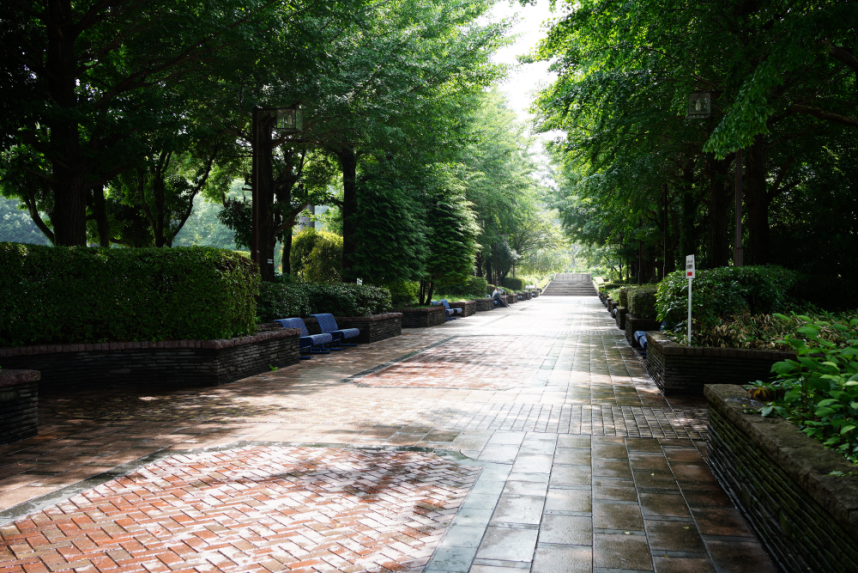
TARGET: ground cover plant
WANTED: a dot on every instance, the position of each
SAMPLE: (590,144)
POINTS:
(81,294)
(819,390)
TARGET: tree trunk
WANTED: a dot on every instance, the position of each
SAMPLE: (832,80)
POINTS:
(67,164)
(689,212)
(99,211)
(757,202)
(348,164)
(719,246)
(265,196)
(478,262)
(285,265)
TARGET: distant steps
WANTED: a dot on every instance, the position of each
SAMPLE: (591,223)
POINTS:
(570,285)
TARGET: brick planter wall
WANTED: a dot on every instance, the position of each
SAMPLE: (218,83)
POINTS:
(422,317)
(172,362)
(620,319)
(484,304)
(634,324)
(372,328)
(779,478)
(511,299)
(678,369)
(468,307)
(19,405)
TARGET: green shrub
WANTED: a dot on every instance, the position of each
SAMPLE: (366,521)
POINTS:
(348,299)
(403,293)
(279,300)
(819,391)
(490,288)
(723,292)
(474,286)
(316,256)
(623,297)
(642,301)
(82,294)
(303,299)
(514,283)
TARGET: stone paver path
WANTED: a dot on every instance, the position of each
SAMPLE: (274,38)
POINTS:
(527,438)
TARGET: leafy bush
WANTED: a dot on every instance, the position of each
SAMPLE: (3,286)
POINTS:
(303,299)
(819,391)
(81,294)
(765,331)
(325,259)
(348,299)
(514,283)
(623,295)
(403,293)
(642,301)
(723,292)
(474,286)
(316,256)
(490,288)
(278,300)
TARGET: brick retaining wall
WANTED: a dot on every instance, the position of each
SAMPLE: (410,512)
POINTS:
(680,369)
(171,362)
(620,319)
(19,405)
(484,304)
(635,324)
(422,317)
(469,307)
(779,478)
(372,328)
(511,299)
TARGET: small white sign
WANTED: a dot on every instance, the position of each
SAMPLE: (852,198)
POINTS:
(360,282)
(689,267)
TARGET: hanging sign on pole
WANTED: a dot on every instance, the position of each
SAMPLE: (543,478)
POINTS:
(689,274)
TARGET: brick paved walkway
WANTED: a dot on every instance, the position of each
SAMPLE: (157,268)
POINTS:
(580,463)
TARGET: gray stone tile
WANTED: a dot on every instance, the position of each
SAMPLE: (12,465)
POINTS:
(532,463)
(570,475)
(524,509)
(507,438)
(463,536)
(525,488)
(508,544)
(562,560)
(452,559)
(569,500)
(566,530)
(499,453)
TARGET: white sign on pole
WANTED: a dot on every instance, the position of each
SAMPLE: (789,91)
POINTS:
(360,282)
(689,274)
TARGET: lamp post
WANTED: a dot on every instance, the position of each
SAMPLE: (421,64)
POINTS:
(265,120)
(737,250)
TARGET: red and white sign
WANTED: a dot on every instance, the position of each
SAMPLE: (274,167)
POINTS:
(689,267)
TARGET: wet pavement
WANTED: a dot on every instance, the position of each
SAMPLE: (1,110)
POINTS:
(521,438)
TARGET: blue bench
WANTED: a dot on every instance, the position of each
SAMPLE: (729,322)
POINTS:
(328,325)
(307,343)
(450,313)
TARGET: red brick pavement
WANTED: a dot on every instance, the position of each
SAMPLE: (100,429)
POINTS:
(479,363)
(251,509)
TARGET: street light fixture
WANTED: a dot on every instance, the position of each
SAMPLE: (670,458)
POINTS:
(699,105)
(285,120)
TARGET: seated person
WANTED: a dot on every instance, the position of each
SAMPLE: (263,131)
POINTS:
(497,297)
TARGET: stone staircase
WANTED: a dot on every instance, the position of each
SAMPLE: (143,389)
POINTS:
(565,284)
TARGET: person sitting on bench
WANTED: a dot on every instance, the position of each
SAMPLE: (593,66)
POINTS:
(498,297)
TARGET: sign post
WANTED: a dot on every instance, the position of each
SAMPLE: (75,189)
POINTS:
(689,274)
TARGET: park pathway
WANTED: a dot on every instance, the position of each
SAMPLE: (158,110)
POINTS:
(527,438)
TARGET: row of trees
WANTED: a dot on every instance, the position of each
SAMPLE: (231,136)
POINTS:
(118,116)
(636,176)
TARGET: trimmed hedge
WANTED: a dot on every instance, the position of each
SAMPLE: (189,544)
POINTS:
(278,300)
(724,292)
(514,283)
(624,297)
(82,294)
(303,299)
(642,301)
(474,286)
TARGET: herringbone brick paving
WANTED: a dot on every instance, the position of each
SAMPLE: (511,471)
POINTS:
(261,508)
(588,382)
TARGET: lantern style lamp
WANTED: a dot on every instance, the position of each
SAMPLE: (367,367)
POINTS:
(699,105)
(289,120)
